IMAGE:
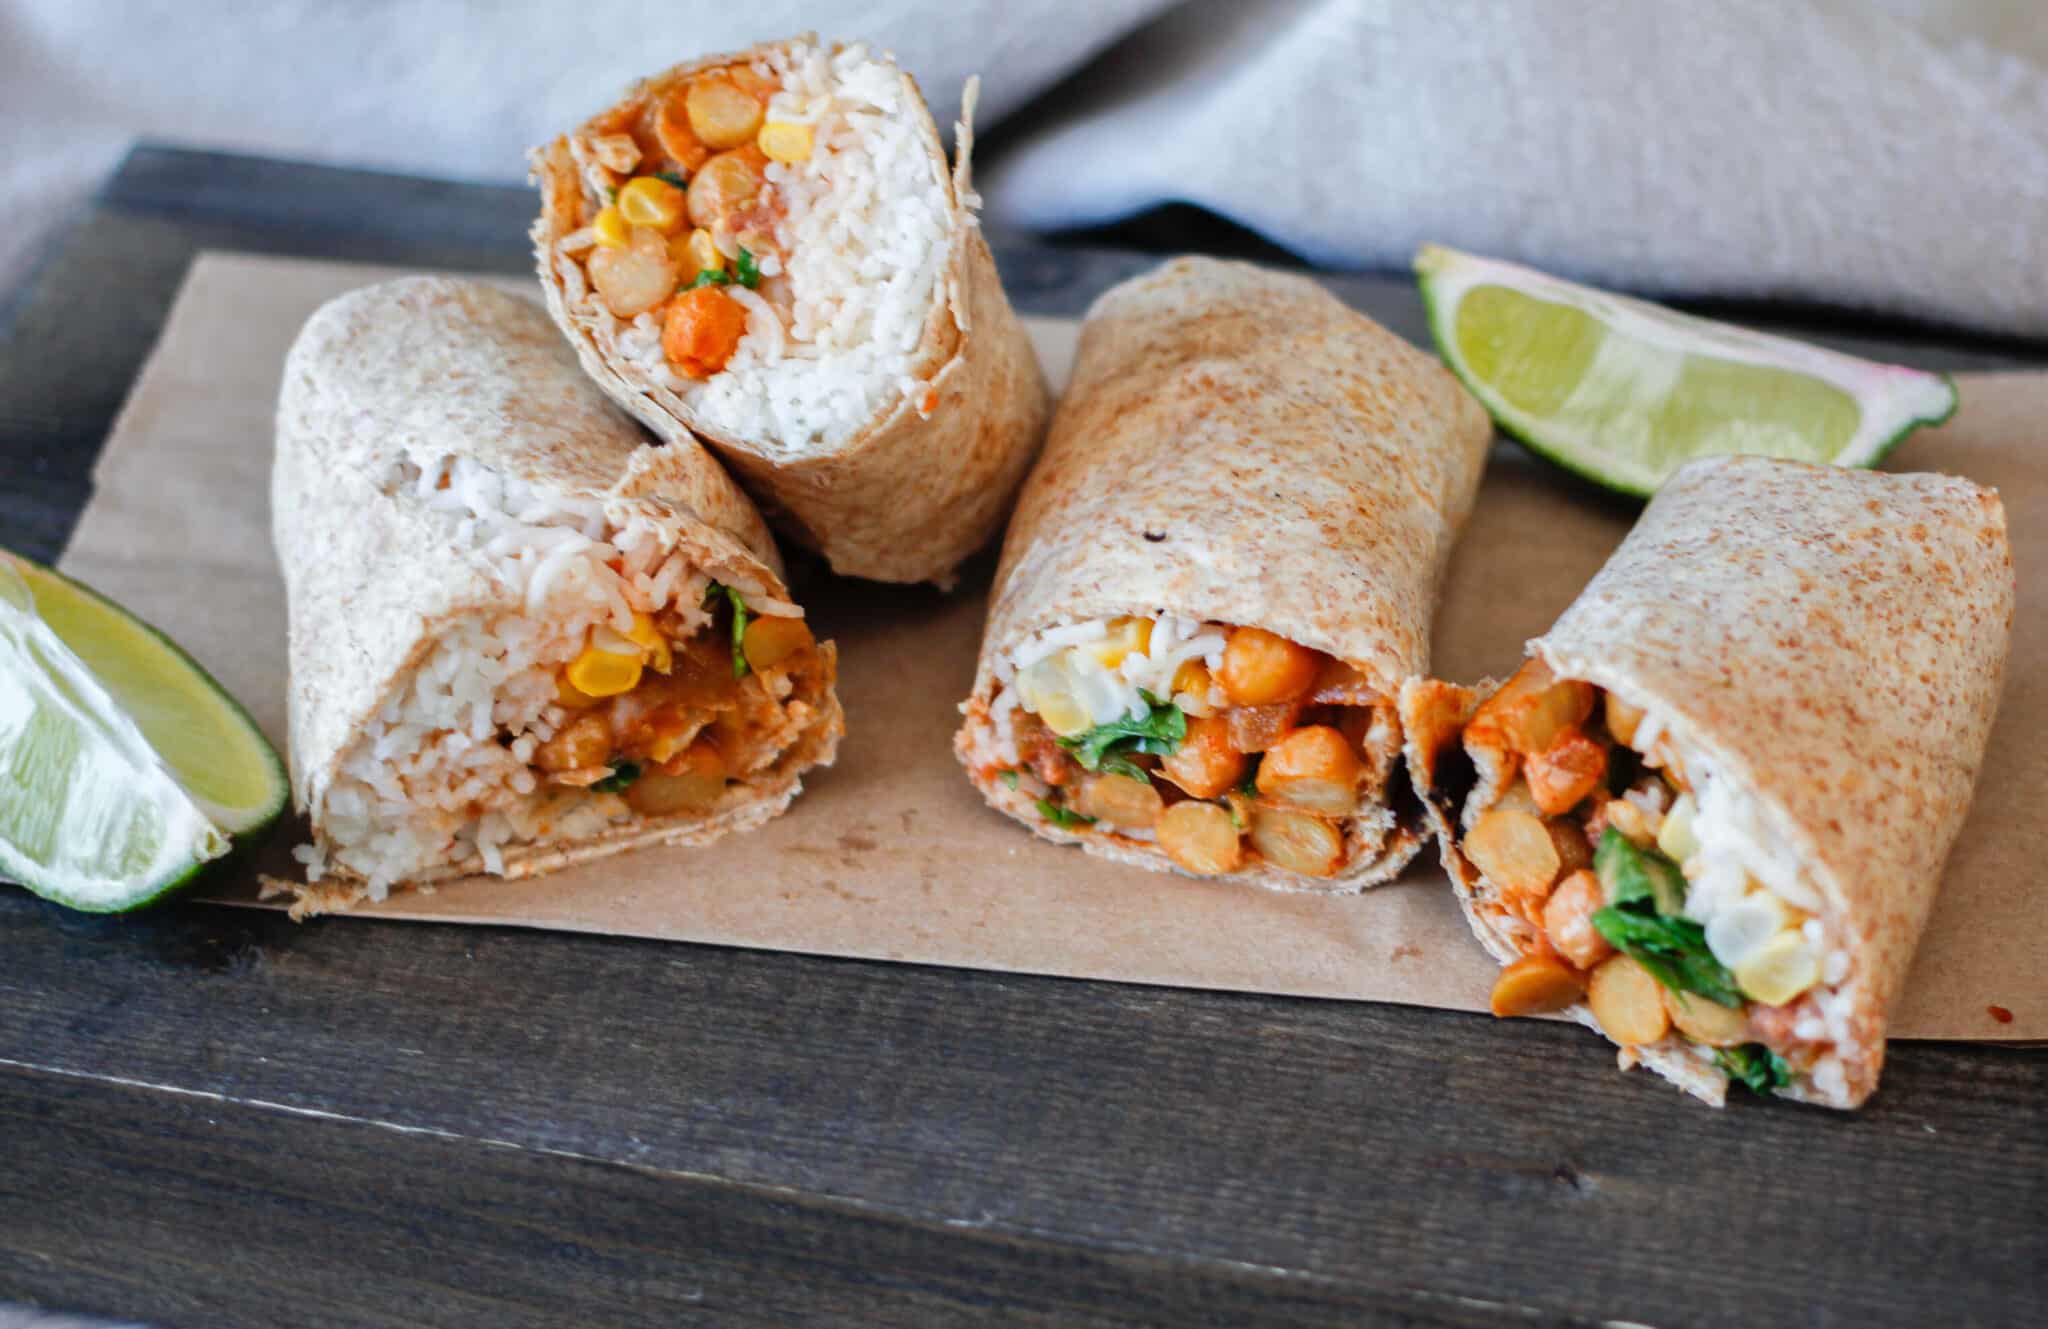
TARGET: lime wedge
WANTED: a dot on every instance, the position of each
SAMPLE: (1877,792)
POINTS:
(123,767)
(1625,392)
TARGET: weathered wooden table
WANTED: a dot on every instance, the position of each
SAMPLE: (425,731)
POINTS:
(212,1116)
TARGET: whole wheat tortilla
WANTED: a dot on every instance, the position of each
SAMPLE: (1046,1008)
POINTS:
(1239,446)
(426,367)
(1833,644)
(911,493)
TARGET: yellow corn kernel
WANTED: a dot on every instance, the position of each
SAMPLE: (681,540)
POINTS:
(651,201)
(601,673)
(784,142)
(1043,688)
(569,695)
(1779,970)
(649,639)
(700,254)
(1126,636)
(611,229)
(1063,715)
(1192,676)
(1676,839)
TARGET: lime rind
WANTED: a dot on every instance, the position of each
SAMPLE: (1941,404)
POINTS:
(107,825)
(1892,400)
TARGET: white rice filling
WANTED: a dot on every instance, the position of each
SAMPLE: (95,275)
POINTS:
(867,235)
(1737,846)
(1109,692)
(430,783)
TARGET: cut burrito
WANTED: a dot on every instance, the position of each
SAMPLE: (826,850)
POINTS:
(766,250)
(1708,816)
(519,638)
(1219,576)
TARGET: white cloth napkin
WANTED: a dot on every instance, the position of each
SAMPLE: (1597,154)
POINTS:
(436,87)
(1886,156)
(1830,152)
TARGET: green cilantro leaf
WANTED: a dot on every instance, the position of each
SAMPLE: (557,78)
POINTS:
(740,667)
(1060,816)
(1009,779)
(749,274)
(1673,949)
(710,277)
(676,178)
(1754,1066)
(1635,878)
(1158,732)
(622,775)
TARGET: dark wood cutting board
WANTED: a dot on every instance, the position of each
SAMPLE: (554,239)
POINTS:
(216,1117)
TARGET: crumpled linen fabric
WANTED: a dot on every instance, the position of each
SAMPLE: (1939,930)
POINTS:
(1885,155)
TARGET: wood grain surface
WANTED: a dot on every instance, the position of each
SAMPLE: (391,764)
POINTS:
(216,1117)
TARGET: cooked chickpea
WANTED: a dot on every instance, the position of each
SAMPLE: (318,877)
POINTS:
(636,278)
(1261,668)
(1707,1022)
(672,130)
(1568,920)
(1622,720)
(1120,800)
(1201,837)
(584,742)
(689,782)
(1534,985)
(1630,820)
(1297,841)
(770,641)
(1191,684)
(722,115)
(1531,710)
(1515,851)
(1206,764)
(1314,768)
(1626,1001)
(725,184)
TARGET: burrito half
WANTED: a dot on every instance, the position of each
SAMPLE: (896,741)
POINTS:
(1709,815)
(766,250)
(519,639)
(1219,576)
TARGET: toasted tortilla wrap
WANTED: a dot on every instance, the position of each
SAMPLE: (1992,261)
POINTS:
(512,625)
(1740,757)
(874,389)
(1231,549)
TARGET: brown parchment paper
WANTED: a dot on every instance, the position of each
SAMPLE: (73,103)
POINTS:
(891,854)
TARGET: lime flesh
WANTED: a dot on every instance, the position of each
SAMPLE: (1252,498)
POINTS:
(1626,393)
(219,755)
(92,813)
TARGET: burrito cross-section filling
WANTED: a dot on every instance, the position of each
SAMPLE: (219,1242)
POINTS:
(766,250)
(1219,576)
(1709,813)
(519,637)
(1221,743)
